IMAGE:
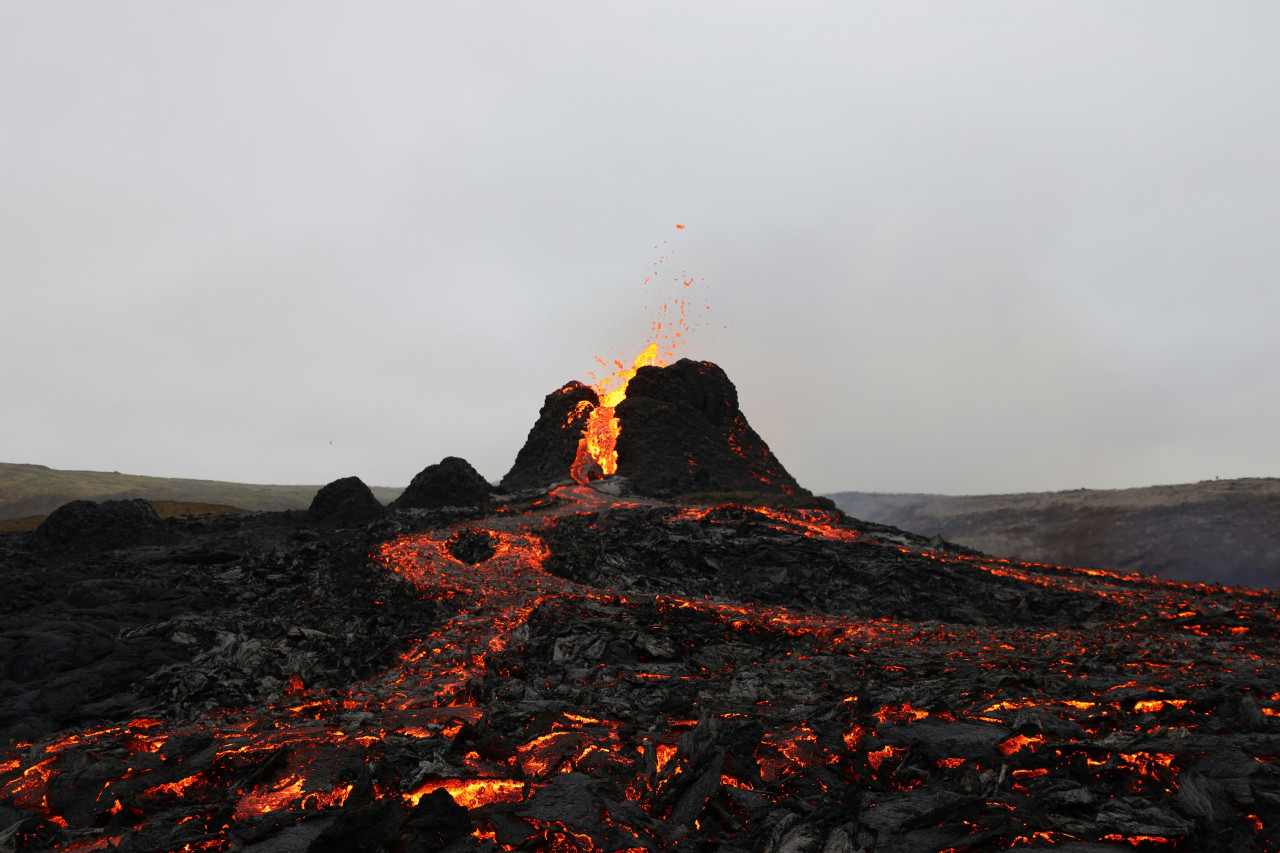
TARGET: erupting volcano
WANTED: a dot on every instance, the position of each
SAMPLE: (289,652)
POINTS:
(579,667)
(668,429)
(597,453)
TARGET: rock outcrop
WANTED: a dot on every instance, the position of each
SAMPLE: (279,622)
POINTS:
(450,482)
(548,452)
(345,502)
(100,526)
(682,431)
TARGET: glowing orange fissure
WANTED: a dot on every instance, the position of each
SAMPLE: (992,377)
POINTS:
(597,454)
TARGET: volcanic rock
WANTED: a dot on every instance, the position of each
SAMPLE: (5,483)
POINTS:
(101,526)
(450,482)
(649,550)
(224,613)
(552,444)
(473,546)
(345,502)
(578,672)
(681,431)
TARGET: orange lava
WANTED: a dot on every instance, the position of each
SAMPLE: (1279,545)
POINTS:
(431,694)
(473,793)
(597,450)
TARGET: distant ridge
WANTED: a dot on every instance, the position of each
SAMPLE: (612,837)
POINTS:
(1223,531)
(27,490)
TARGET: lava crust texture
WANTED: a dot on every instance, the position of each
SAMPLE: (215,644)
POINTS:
(578,672)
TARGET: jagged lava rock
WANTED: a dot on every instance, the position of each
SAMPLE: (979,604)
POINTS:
(106,525)
(549,451)
(450,482)
(345,501)
(681,431)
(473,546)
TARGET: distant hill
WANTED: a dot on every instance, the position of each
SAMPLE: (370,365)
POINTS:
(30,490)
(1225,531)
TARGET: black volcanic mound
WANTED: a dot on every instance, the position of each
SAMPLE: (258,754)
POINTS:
(347,501)
(110,524)
(549,451)
(450,482)
(680,432)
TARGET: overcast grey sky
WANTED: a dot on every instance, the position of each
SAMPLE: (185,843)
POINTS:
(953,247)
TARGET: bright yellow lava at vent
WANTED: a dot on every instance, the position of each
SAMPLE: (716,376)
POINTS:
(597,450)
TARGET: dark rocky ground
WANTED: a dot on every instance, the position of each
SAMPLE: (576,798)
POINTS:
(711,679)
(215,611)
(588,668)
(743,556)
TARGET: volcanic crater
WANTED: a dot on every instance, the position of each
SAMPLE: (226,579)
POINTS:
(604,653)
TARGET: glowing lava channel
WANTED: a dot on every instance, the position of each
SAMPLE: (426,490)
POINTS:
(597,454)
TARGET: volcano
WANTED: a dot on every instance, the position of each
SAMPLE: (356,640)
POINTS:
(668,430)
(562,668)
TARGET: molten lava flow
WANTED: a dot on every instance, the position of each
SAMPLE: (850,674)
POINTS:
(597,450)
(469,704)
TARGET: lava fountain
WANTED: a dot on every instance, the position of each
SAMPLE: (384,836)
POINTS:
(597,451)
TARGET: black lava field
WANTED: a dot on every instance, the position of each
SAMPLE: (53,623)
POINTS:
(634,659)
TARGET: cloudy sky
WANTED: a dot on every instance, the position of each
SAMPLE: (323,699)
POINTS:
(950,247)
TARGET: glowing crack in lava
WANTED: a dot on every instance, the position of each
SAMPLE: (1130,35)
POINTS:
(570,717)
(597,450)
